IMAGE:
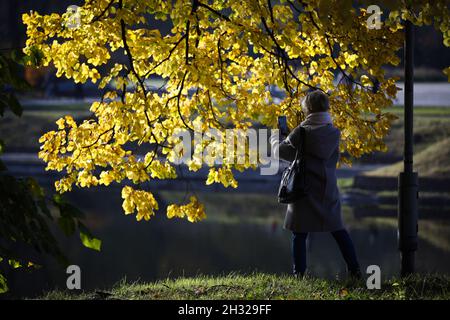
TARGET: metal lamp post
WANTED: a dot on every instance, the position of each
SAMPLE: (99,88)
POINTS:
(408,180)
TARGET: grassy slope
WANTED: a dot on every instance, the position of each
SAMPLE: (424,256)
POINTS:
(421,111)
(431,143)
(433,161)
(266,286)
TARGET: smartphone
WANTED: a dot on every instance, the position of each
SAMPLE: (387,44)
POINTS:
(282,125)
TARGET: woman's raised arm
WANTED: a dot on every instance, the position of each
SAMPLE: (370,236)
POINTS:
(285,149)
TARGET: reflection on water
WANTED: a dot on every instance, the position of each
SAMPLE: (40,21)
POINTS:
(243,233)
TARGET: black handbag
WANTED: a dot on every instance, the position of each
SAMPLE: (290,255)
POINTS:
(293,179)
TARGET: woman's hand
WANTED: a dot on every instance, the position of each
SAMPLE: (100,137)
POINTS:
(281,148)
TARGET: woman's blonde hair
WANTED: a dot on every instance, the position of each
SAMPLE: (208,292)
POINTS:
(316,101)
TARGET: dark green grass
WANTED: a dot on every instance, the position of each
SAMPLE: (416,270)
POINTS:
(268,286)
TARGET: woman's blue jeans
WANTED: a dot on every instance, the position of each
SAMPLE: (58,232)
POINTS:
(344,242)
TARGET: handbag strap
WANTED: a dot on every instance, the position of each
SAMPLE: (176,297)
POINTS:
(302,146)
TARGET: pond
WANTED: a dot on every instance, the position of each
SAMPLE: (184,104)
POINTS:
(243,233)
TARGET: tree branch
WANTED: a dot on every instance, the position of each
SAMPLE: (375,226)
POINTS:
(98,17)
(178,101)
(217,13)
(330,47)
(212,110)
(284,56)
(99,137)
(168,56)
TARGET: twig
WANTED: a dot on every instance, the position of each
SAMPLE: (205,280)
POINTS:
(168,56)
(99,137)
(96,18)
(178,101)
(222,16)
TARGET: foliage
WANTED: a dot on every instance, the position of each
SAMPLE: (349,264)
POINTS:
(220,61)
(25,230)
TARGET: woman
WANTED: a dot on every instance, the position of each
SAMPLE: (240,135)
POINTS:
(320,210)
